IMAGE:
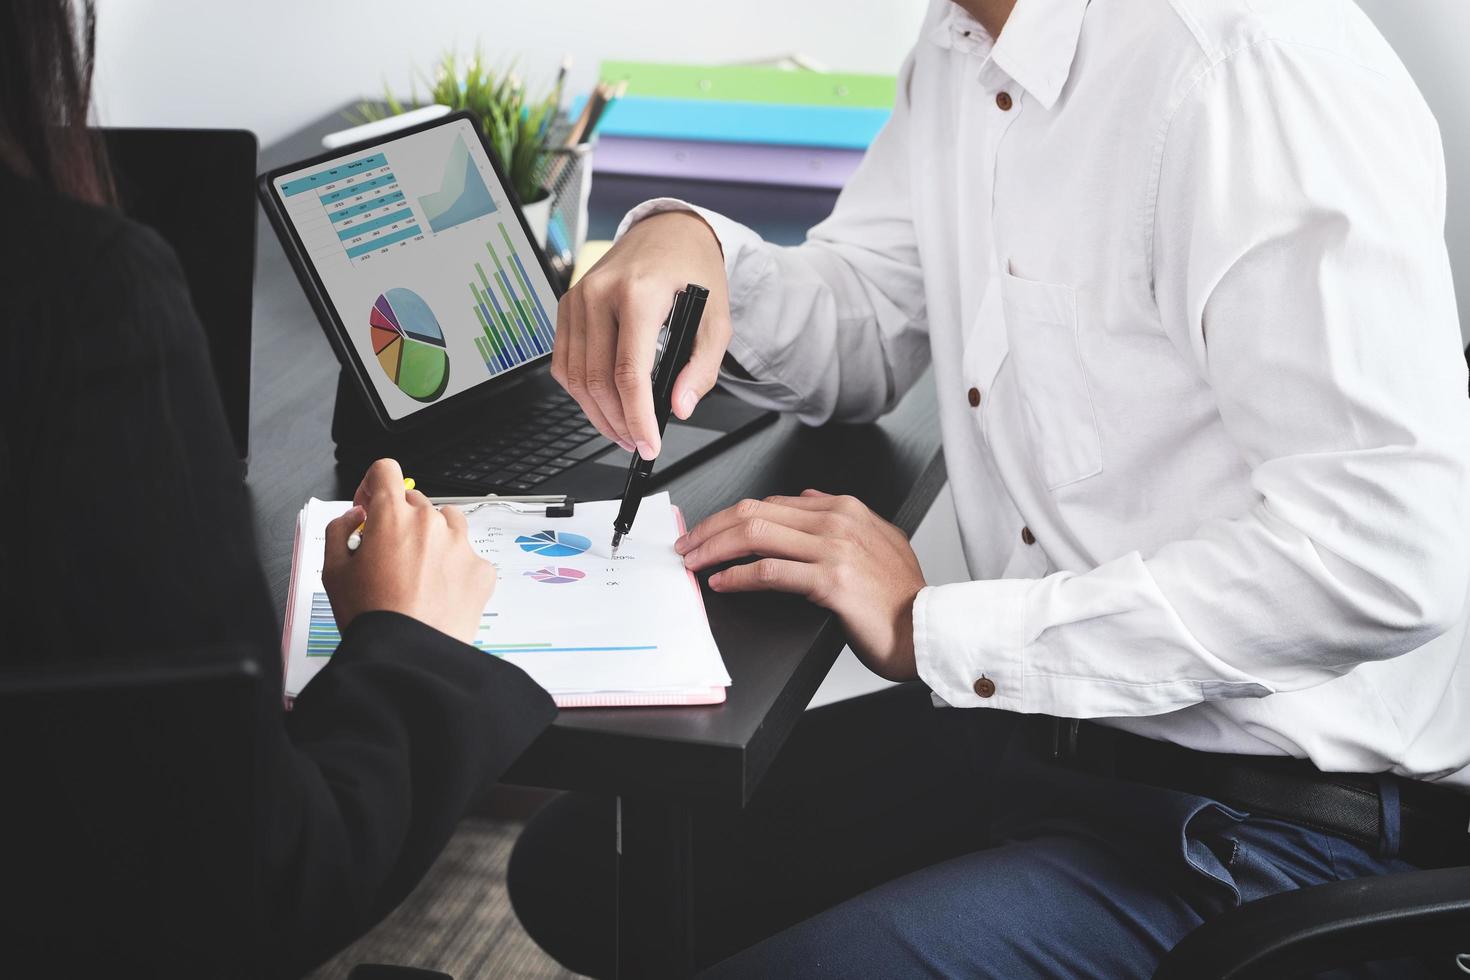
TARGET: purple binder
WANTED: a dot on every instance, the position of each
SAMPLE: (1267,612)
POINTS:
(753,163)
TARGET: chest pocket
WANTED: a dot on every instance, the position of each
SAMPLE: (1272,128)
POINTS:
(1041,330)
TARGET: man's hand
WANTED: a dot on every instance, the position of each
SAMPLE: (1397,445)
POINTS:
(414,559)
(607,327)
(832,550)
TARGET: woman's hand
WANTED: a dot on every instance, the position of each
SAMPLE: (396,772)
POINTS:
(413,560)
(607,327)
(832,550)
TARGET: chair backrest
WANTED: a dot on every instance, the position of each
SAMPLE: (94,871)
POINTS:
(126,819)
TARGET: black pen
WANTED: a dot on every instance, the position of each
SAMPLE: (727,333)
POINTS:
(677,344)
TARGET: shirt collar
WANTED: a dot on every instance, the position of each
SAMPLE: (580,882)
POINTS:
(1036,48)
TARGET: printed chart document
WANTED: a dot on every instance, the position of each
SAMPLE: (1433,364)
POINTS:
(592,629)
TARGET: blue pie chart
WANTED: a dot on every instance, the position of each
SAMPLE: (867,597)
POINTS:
(554,544)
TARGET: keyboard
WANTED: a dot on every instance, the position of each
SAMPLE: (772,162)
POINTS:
(530,447)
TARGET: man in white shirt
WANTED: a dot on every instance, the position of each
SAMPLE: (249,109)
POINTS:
(1179,269)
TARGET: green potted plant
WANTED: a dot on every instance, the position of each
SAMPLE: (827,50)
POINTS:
(515,123)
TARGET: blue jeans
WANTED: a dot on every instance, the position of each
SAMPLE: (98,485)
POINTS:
(1087,877)
(892,839)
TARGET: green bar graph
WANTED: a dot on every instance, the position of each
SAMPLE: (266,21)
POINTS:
(490,335)
(510,311)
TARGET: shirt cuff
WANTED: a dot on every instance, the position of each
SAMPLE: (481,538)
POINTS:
(731,235)
(970,633)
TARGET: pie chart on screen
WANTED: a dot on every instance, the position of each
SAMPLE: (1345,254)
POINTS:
(409,344)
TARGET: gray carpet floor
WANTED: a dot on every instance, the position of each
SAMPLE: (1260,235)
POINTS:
(458,920)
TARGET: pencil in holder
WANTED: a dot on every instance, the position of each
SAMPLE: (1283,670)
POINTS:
(567,176)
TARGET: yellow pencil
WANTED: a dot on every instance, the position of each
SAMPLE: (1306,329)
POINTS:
(354,540)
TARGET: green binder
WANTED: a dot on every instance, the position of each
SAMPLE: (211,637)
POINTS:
(744,83)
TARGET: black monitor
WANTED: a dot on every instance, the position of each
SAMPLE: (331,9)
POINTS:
(196,188)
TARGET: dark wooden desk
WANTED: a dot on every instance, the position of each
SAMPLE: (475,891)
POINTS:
(664,764)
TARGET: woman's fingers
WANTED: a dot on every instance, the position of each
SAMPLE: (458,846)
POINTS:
(382,475)
(341,528)
(454,517)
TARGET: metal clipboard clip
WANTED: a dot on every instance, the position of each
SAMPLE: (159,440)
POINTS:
(546,504)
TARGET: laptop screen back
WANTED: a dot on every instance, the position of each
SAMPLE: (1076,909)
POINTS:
(196,188)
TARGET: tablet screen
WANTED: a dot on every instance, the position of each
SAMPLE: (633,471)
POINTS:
(421,253)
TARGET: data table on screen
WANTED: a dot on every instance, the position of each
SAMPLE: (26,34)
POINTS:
(362,209)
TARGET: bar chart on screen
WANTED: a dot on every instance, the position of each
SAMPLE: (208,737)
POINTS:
(513,318)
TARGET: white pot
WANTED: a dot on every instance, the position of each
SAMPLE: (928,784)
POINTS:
(538,216)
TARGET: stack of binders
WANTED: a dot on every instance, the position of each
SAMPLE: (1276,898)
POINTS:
(750,124)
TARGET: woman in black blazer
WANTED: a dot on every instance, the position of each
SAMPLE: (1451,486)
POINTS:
(125,531)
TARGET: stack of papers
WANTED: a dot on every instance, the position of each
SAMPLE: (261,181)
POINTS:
(593,629)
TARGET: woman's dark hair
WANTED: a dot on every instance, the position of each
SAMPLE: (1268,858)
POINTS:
(45,93)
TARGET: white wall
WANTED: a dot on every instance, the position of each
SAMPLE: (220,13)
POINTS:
(1430,36)
(272,65)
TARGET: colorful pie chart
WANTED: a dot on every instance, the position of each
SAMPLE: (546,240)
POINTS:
(409,344)
(552,575)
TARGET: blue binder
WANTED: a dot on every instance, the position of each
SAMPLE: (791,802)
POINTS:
(739,122)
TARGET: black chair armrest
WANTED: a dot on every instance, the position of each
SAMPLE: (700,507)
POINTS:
(1418,913)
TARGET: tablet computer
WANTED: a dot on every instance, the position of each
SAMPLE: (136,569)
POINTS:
(413,250)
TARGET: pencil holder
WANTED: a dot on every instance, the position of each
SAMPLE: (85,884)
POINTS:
(568,178)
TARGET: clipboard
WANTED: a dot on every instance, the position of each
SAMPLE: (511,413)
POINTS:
(593,629)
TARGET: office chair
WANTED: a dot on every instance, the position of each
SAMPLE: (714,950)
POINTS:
(127,823)
(1300,933)
(125,836)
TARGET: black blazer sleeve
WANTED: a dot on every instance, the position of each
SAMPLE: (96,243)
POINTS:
(381,756)
(140,543)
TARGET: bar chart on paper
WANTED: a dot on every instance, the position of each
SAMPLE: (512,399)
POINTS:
(323,637)
(365,212)
(515,324)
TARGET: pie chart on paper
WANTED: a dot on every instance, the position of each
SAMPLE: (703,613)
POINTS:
(552,575)
(409,344)
(554,544)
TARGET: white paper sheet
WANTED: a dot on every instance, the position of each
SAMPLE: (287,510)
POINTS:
(575,618)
